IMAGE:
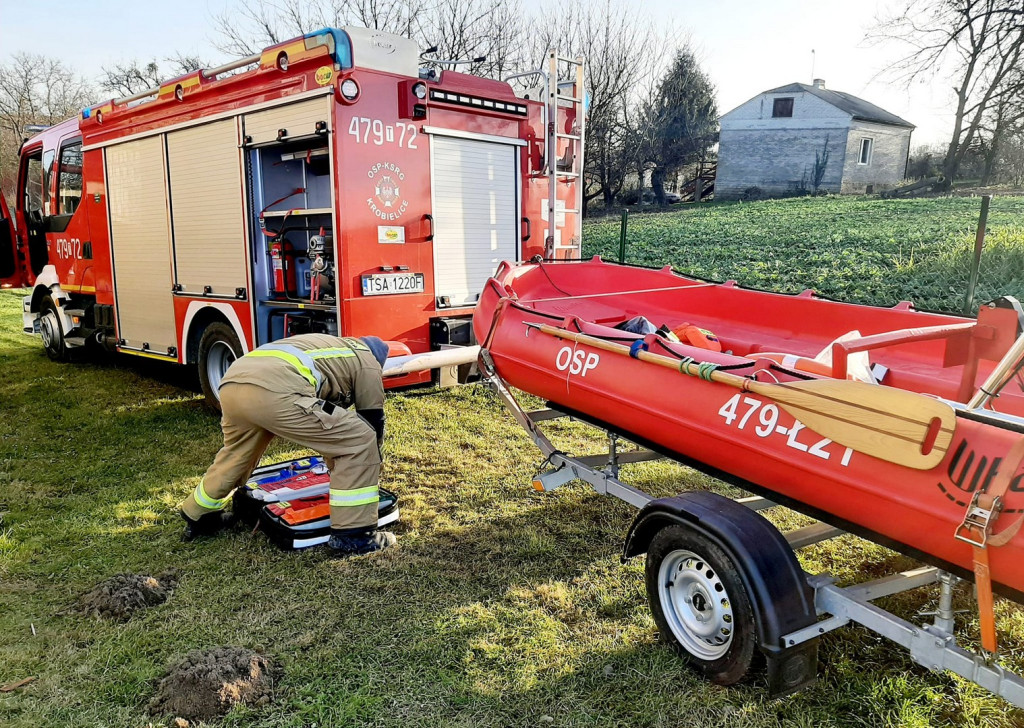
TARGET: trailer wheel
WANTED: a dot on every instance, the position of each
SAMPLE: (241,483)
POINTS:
(218,347)
(700,605)
(51,331)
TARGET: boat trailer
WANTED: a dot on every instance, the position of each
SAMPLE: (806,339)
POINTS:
(704,631)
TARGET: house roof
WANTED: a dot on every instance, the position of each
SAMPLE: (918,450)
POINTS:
(856,107)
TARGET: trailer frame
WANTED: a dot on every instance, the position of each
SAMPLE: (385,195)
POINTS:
(932,645)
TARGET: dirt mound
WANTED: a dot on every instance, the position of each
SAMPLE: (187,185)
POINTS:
(120,596)
(207,683)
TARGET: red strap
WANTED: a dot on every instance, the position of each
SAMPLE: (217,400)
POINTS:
(267,233)
(986,614)
(977,528)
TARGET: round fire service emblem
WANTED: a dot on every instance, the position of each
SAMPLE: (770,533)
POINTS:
(387,202)
(386,191)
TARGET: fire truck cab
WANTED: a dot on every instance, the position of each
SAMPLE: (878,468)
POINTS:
(326,184)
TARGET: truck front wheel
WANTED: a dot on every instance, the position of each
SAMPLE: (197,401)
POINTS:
(51,331)
(218,347)
(700,604)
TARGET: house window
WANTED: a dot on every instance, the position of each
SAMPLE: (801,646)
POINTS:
(782,108)
(865,151)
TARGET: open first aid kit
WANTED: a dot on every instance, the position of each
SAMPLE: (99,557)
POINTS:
(289,502)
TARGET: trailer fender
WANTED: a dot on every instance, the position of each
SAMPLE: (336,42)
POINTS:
(777,586)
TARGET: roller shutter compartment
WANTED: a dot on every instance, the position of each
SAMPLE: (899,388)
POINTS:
(141,245)
(475,208)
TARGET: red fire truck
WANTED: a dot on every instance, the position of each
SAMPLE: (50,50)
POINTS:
(325,184)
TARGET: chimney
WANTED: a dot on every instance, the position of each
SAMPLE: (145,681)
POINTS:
(819,83)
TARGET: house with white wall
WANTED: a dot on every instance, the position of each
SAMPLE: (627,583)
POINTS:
(806,138)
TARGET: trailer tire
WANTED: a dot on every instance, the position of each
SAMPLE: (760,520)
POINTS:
(700,605)
(218,347)
(52,333)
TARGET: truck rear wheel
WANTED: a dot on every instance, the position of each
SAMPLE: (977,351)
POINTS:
(218,347)
(51,331)
(700,604)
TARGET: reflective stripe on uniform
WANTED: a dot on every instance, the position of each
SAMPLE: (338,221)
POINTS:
(336,353)
(355,497)
(304,360)
(295,356)
(205,501)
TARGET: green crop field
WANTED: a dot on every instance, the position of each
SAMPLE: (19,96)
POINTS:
(499,606)
(853,249)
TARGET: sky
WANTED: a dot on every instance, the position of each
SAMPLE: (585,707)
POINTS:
(746,46)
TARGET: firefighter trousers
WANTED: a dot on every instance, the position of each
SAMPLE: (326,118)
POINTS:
(252,416)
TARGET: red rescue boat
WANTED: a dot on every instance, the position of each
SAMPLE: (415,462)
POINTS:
(556,330)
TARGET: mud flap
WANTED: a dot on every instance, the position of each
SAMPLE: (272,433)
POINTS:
(777,586)
(792,669)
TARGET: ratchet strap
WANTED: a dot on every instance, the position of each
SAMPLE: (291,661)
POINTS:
(263,224)
(977,530)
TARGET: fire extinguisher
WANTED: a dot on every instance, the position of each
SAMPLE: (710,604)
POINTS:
(281,255)
(277,263)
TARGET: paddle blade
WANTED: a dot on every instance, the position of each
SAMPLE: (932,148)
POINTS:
(900,427)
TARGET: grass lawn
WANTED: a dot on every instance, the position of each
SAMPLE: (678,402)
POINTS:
(499,606)
(850,248)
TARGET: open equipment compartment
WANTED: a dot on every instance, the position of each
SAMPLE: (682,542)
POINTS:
(294,254)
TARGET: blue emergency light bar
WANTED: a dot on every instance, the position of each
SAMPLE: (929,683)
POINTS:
(339,45)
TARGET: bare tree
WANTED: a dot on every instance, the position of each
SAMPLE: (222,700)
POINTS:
(1011,159)
(34,89)
(249,27)
(508,45)
(624,52)
(1003,119)
(459,29)
(131,77)
(979,42)
(400,17)
(492,34)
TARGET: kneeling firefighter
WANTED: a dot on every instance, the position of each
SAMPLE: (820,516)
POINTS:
(299,388)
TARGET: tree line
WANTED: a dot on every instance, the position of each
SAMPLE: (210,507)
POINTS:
(977,48)
(651,106)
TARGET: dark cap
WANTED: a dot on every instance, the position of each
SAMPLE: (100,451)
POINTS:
(378,347)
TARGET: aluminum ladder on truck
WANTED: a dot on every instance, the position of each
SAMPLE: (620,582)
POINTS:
(569,167)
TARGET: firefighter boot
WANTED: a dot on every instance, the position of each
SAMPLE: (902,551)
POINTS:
(207,524)
(358,541)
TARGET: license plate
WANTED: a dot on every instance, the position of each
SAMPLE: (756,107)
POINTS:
(383,284)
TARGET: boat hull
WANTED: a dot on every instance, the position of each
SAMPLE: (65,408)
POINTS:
(740,436)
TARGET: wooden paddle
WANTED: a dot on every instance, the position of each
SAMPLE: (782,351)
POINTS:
(900,427)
